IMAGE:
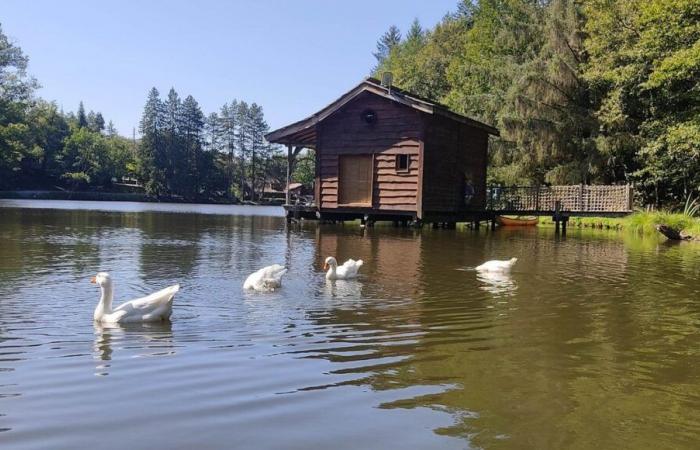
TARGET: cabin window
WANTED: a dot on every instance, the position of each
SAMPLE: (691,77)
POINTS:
(402,162)
(369,116)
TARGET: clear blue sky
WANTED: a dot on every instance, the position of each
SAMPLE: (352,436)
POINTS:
(292,57)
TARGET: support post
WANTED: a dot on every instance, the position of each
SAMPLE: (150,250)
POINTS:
(288,194)
(557,216)
(564,221)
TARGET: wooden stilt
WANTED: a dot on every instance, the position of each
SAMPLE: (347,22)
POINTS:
(290,160)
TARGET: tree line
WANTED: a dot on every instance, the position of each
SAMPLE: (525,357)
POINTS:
(583,91)
(41,146)
(180,152)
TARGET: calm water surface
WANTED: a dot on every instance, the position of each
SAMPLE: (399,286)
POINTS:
(592,342)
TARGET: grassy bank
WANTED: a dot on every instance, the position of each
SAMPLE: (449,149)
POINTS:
(641,222)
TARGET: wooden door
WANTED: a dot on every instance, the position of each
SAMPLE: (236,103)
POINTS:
(355,179)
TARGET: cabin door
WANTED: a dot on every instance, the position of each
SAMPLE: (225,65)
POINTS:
(355,180)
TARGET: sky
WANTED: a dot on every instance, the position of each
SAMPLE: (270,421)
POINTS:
(291,57)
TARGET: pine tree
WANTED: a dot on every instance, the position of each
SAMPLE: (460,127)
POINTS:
(386,43)
(212,133)
(228,130)
(243,135)
(176,167)
(260,151)
(551,118)
(99,122)
(151,154)
(82,118)
(111,129)
(415,33)
(192,129)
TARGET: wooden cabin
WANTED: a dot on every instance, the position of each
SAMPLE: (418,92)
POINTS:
(385,154)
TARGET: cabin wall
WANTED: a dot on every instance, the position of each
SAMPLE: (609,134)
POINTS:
(398,129)
(453,149)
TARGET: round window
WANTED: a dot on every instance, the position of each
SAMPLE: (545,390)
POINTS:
(369,116)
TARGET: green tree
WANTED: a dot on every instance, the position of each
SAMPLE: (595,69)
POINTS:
(549,115)
(95,121)
(85,159)
(48,128)
(243,147)
(192,131)
(228,129)
(81,117)
(386,43)
(644,69)
(305,168)
(16,89)
(151,151)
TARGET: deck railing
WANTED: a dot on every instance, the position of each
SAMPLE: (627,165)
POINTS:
(578,198)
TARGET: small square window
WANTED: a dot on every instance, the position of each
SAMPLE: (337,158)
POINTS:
(402,162)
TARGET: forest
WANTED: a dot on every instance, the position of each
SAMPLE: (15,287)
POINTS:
(180,152)
(582,91)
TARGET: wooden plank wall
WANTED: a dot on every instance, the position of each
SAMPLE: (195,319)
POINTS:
(397,130)
(451,149)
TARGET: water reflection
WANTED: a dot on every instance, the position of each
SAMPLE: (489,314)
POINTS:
(497,283)
(587,336)
(135,340)
(343,289)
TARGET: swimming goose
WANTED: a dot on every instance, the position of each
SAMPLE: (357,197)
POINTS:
(152,308)
(346,271)
(266,279)
(497,265)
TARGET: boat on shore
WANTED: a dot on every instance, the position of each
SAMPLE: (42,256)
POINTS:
(517,221)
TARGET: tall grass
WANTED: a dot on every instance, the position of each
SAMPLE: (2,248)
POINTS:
(643,222)
(691,208)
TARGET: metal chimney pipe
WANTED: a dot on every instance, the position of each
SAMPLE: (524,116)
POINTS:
(387,79)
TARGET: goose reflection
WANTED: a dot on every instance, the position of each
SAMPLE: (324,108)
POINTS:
(497,283)
(343,289)
(131,340)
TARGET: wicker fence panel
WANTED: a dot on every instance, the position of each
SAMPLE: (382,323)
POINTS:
(577,198)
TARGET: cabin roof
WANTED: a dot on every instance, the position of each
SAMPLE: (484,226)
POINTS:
(303,132)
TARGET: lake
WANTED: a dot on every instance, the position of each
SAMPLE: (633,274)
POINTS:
(593,341)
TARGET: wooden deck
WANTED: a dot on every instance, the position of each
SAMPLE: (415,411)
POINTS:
(560,202)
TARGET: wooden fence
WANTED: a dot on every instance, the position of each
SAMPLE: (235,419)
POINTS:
(575,199)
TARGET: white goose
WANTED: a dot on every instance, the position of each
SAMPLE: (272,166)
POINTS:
(152,308)
(346,271)
(266,279)
(497,265)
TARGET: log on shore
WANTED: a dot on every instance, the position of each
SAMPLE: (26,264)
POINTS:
(673,234)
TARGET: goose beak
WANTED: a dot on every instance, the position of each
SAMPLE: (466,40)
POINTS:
(325,266)
(93,280)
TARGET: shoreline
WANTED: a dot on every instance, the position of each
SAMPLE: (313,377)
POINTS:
(116,197)
(640,223)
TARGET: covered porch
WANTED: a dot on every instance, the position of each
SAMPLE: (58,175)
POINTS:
(295,137)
